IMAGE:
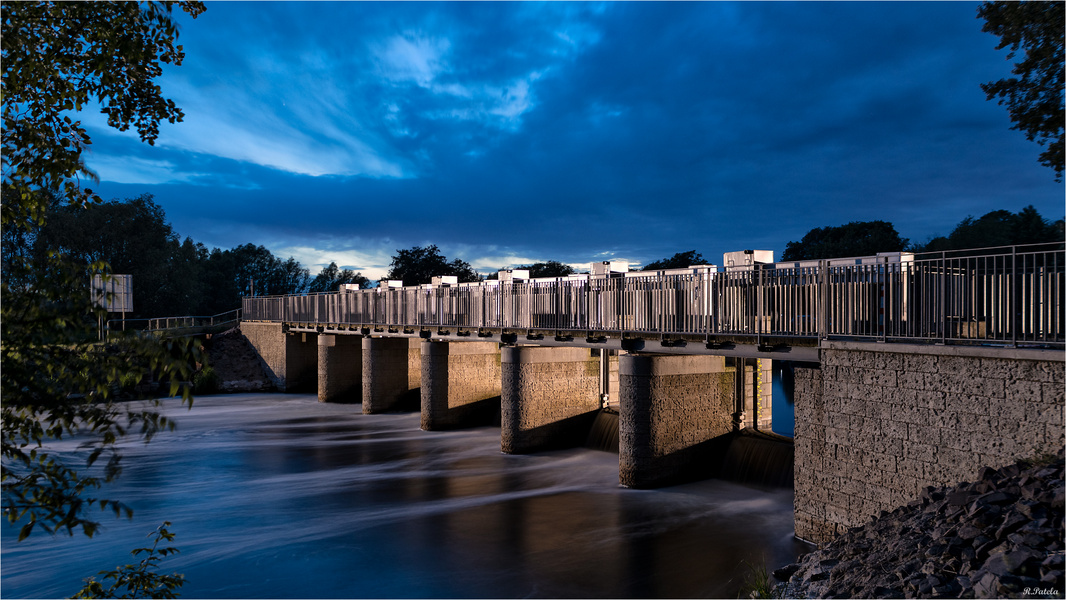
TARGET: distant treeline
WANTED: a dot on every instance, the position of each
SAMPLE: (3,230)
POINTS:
(175,277)
(171,277)
(867,238)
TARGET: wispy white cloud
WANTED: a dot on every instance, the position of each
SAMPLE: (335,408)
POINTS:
(134,170)
(411,57)
(373,262)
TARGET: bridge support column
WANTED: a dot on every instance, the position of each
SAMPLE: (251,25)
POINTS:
(340,368)
(290,358)
(752,394)
(550,397)
(392,374)
(460,384)
(675,418)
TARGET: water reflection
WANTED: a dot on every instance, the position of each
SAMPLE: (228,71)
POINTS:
(281,496)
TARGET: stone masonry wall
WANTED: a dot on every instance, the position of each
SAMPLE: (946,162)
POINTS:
(268,339)
(460,384)
(290,359)
(671,410)
(889,421)
(550,397)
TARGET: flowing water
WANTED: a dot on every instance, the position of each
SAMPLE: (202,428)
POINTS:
(280,496)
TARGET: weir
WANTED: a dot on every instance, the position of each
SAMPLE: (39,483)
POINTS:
(905,371)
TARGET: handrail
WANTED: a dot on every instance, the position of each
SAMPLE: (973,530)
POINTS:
(171,323)
(1013,296)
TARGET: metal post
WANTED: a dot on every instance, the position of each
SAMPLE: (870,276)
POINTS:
(1014,302)
(823,276)
(605,378)
(738,394)
(755,377)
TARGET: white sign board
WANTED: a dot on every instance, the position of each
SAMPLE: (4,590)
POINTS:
(115,294)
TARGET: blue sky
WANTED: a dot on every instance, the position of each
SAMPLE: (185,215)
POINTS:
(517,132)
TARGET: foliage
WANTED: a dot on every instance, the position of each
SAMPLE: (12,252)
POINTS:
(133,237)
(680,260)
(65,56)
(552,268)
(1034,97)
(206,381)
(419,265)
(139,580)
(757,583)
(58,381)
(332,277)
(998,228)
(858,238)
(266,274)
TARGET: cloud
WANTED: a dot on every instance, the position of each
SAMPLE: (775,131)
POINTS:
(504,132)
(412,57)
(134,170)
(372,263)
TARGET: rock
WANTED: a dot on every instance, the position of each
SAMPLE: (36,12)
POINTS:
(986,586)
(785,572)
(988,474)
(1011,524)
(1032,509)
(995,498)
(959,498)
(993,538)
(1017,562)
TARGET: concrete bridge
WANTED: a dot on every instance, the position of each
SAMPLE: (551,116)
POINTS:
(906,371)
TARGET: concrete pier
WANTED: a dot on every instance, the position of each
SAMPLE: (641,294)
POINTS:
(340,368)
(460,384)
(550,397)
(675,416)
(392,374)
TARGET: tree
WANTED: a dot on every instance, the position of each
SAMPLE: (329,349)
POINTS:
(552,268)
(858,238)
(258,272)
(1033,98)
(680,260)
(57,379)
(997,228)
(59,57)
(332,277)
(133,237)
(139,580)
(420,265)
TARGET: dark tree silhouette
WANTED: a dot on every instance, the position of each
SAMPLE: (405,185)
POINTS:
(677,261)
(332,277)
(420,265)
(858,238)
(997,228)
(1034,97)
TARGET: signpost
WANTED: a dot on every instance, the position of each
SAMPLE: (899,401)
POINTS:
(114,293)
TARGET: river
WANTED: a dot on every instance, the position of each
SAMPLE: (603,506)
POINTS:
(280,496)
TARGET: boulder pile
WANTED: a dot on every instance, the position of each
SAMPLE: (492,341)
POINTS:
(237,364)
(1000,536)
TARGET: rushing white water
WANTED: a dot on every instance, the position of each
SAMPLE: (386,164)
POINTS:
(280,496)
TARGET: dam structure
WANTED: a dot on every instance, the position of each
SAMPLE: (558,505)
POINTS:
(905,370)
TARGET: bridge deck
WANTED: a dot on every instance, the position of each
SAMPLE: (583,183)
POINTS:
(1013,297)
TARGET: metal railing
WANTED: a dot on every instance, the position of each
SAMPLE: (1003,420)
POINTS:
(1003,296)
(161,324)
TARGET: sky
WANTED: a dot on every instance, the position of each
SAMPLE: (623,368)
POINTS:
(512,133)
